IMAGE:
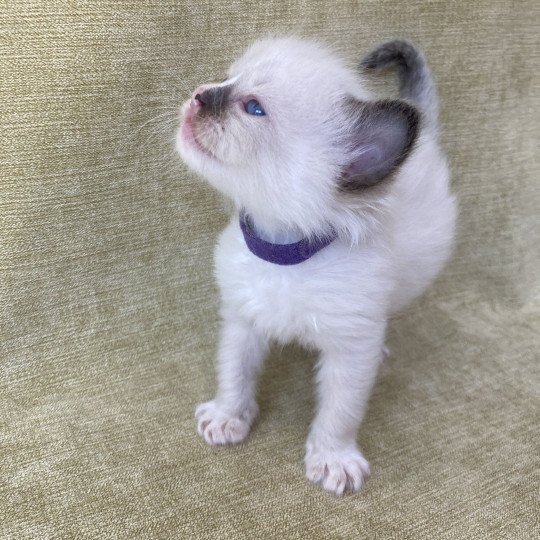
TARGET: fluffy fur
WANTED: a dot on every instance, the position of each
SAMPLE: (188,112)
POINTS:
(326,155)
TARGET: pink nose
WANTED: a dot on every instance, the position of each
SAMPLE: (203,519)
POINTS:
(196,98)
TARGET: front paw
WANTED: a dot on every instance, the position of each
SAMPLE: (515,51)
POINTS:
(218,427)
(336,471)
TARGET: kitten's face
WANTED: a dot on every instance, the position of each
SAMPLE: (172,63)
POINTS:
(272,136)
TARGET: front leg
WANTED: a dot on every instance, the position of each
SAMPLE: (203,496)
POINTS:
(346,375)
(228,417)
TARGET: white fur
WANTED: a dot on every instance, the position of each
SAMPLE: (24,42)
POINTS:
(392,243)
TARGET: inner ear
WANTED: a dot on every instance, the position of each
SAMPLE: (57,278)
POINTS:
(381,136)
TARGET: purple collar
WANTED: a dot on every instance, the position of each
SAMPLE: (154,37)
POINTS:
(283,254)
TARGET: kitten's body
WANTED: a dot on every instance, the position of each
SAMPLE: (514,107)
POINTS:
(391,269)
(393,239)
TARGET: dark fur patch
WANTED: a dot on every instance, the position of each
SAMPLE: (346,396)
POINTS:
(374,121)
(214,100)
(414,77)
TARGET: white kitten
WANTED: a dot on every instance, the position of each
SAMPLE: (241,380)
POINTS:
(346,217)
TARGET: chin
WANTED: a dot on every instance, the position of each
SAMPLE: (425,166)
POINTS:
(197,158)
(186,145)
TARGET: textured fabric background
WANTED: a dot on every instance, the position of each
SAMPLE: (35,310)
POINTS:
(108,310)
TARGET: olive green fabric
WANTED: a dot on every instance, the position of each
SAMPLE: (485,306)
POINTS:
(108,309)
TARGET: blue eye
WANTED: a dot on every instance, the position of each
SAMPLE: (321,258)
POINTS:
(254,107)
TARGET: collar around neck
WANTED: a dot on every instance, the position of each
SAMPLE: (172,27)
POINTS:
(282,254)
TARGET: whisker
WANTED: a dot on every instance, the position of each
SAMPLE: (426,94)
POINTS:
(153,119)
(166,109)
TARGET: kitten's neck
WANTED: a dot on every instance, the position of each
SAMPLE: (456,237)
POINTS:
(273,231)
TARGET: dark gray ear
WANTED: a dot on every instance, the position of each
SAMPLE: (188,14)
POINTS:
(382,136)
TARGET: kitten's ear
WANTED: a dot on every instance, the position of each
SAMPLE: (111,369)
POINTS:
(382,136)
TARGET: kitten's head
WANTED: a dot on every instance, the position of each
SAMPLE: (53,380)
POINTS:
(291,135)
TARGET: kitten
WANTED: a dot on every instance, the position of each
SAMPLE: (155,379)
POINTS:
(343,216)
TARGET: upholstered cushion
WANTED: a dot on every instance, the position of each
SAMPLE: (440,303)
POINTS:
(108,308)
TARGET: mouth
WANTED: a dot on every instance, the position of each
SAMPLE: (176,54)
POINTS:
(187,132)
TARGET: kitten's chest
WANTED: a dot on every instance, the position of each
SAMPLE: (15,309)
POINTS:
(300,301)
(275,299)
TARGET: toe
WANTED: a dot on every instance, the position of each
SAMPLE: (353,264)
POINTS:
(337,472)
